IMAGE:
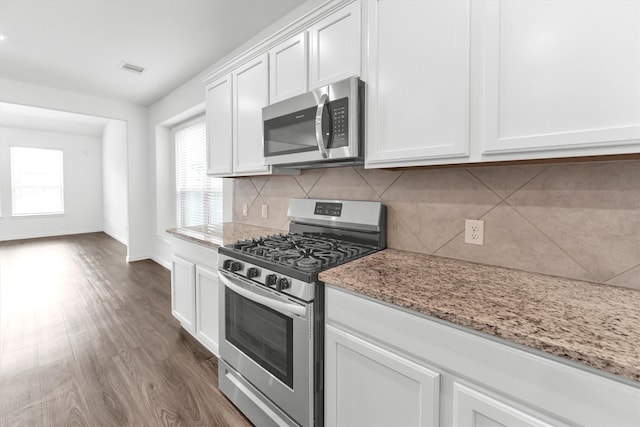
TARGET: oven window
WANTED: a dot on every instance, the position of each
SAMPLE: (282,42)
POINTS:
(261,333)
(292,133)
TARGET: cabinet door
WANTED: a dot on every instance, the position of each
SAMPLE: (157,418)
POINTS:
(207,308)
(418,98)
(472,408)
(560,75)
(366,385)
(335,47)
(219,127)
(250,93)
(288,68)
(183,292)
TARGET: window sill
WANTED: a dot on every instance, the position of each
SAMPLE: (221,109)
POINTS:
(43,215)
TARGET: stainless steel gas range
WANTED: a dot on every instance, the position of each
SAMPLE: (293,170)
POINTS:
(272,308)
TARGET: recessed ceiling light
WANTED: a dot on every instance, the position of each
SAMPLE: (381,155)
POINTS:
(3,37)
(131,67)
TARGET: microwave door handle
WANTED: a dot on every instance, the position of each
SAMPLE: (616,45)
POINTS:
(280,306)
(319,137)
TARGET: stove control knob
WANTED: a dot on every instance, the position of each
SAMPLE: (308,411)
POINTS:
(235,266)
(270,280)
(252,272)
(282,283)
(226,265)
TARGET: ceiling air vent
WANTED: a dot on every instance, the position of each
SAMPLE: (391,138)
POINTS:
(131,67)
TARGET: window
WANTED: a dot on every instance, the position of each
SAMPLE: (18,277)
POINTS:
(36,181)
(198,196)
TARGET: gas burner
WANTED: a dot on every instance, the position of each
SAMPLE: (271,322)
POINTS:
(307,252)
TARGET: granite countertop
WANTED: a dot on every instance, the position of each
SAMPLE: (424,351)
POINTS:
(594,324)
(221,234)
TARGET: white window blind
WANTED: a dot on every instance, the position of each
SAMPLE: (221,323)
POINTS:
(36,181)
(198,196)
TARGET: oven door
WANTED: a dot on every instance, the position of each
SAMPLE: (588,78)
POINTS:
(267,338)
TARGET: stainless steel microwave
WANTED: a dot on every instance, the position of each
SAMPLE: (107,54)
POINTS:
(323,127)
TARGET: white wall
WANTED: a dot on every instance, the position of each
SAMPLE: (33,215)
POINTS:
(139,172)
(184,102)
(82,168)
(114,178)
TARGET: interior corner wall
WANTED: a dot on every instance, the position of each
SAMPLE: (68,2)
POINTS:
(82,172)
(164,195)
(139,199)
(184,102)
(114,178)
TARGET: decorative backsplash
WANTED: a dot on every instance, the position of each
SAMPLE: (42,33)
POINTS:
(572,220)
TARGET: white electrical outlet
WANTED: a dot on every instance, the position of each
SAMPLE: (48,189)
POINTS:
(245,209)
(474,231)
(264,211)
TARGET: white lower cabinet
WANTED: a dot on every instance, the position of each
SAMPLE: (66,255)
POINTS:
(207,308)
(194,291)
(472,408)
(367,385)
(183,292)
(385,366)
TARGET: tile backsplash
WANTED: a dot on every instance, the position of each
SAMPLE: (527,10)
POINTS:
(578,220)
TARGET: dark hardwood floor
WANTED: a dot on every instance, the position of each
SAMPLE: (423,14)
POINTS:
(87,339)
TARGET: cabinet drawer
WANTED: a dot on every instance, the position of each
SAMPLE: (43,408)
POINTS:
(195,253)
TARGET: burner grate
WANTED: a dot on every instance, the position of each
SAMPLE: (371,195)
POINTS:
(303,251)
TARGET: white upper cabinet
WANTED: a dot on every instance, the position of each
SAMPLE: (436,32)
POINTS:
(250,94)
(464,81)
(559,77)
(219,127)
(320,48)
(288,68)
(418,82)
(447,82)
(335,47)
(234,120)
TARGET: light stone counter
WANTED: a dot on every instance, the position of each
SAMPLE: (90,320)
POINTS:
(594,324)
(222,234)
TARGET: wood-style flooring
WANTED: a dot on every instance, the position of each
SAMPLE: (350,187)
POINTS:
(87,339)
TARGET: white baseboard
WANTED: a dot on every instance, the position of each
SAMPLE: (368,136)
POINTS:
(166,264)
(139,257)
(119,238)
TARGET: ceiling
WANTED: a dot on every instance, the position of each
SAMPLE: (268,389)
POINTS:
(78,45)
(44,119)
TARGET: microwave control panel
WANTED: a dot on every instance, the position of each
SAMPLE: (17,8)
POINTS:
(339,122)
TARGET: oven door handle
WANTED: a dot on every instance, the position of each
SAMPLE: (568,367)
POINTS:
(320,140)
(282,307)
